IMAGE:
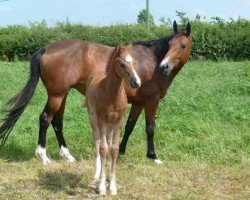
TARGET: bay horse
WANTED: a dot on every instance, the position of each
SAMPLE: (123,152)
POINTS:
(106,101)
(67,64)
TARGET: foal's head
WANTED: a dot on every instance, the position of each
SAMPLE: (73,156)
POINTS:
(123,63)
(179,50)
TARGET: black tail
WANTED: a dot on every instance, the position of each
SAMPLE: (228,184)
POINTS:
(15,106)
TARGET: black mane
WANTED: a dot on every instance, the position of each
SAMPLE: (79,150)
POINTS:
(159,47)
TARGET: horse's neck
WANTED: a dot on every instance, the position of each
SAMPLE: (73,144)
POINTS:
(115,83)
(165,82)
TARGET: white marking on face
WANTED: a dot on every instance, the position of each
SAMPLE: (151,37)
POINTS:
(165,63)
(138,80)
(64,152)
(41,154)
(128,58)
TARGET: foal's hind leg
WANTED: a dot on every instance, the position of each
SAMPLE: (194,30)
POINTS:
(52,106)
(57,123)
(132,119)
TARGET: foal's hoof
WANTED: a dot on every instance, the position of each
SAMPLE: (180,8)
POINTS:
(113,192)
(102,192)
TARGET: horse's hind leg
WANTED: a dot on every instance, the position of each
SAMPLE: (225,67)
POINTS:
(132,119)
(150,111)
(57,123)
(52,106)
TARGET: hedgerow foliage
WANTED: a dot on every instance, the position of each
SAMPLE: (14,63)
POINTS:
(214,40)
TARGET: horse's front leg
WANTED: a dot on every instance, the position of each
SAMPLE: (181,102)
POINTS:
(103,129)
(150,111)
(114,151)
(135,112)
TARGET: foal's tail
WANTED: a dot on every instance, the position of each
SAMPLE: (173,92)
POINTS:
(14,108)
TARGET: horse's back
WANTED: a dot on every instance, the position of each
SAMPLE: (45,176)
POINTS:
(68,63)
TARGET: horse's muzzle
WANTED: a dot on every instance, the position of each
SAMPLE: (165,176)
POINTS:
(165,70)
(134,83)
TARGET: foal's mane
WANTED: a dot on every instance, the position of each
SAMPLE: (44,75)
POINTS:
(110,57)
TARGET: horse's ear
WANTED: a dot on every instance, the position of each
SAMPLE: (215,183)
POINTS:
(188,29)
(175,26)
(117,49)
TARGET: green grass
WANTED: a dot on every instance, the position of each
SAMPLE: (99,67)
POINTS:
(202,136)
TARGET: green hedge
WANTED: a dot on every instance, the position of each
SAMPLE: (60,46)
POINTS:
(211,40)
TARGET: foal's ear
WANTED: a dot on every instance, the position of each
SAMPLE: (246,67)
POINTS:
(188,29)
(175,26)
(117,49)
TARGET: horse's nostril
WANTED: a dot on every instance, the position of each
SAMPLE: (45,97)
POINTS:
(167,67)
(134,83)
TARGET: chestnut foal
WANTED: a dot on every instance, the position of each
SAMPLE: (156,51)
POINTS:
(106,101)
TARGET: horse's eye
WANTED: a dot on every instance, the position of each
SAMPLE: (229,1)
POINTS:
(122,65)
(183,47)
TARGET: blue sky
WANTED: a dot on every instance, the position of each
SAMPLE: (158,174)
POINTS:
(106,12)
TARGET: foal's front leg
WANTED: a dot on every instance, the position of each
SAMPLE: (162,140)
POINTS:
(102,126)
(114,151)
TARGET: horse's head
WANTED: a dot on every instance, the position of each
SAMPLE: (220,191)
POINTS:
(123,63)
(179,50)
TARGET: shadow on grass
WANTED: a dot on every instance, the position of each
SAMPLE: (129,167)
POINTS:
(62,181)
(16,152)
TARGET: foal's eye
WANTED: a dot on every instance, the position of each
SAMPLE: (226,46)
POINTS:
(122,65)
(183,47)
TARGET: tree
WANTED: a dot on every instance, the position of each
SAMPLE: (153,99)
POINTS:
(142,18)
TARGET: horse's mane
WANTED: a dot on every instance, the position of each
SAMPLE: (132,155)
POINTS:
(158,46)
(159,43)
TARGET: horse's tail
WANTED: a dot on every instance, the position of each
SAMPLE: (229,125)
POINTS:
(14,108)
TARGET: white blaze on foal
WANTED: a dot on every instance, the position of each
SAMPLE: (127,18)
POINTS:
(129,59)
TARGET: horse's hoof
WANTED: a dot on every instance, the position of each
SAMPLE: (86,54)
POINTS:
(64,153)
(102,192)
(71,159)
(41,155)
(113,192)
(46,162)
(158,162)
(121,150)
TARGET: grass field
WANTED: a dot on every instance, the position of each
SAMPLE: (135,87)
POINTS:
(202,136)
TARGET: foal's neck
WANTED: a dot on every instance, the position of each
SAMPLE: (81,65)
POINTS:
(115,84)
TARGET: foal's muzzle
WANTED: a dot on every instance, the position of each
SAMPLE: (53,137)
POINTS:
(135,83)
